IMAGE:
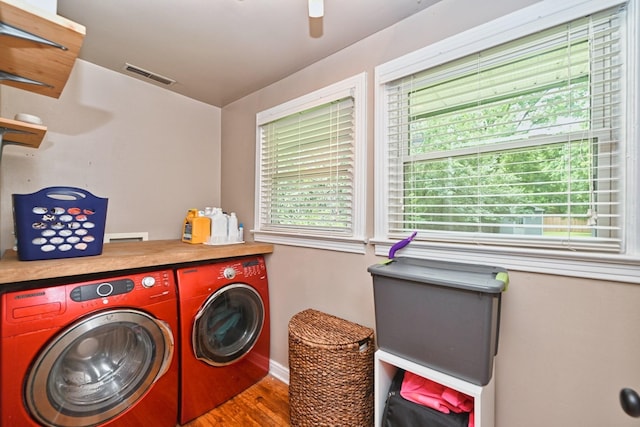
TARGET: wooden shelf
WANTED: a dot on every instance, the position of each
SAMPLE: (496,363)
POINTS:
(121,256)
(36,61)
(22,133)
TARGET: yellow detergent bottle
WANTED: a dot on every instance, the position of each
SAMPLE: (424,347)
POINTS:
(196,228)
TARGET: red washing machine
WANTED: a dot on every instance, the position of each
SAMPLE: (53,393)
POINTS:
(95,353)
(225,336)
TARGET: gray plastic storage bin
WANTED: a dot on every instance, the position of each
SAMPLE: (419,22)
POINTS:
(443,315)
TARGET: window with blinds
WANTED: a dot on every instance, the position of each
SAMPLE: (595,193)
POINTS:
(520,144)
(309,167)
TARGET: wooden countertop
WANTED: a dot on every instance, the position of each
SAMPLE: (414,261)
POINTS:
(118,256)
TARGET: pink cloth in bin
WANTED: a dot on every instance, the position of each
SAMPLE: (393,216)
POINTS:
(436,396)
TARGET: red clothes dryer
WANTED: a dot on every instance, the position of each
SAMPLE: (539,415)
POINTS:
(95,353)
(225,335)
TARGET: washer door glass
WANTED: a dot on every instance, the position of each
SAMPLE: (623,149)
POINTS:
(98,368)
(228,325)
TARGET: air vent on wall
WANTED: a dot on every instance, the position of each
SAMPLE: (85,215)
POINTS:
(148,74)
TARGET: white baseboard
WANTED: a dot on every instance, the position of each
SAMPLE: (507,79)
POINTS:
(279,371)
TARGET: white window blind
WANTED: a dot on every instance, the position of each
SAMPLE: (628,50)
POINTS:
(307,171)
(518,145)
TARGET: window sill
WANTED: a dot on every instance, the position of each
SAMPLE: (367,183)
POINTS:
(351,245)
(618,268)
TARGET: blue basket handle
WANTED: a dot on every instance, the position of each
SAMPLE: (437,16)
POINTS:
(71,193)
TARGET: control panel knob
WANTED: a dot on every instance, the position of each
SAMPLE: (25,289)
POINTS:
(229,273)
(104,289)
(148,281)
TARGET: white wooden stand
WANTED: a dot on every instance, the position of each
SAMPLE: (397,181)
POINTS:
(386,365)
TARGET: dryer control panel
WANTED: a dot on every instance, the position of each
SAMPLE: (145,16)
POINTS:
(202,281)
(253,267)
(139,284)
(54,306)
(101,290)
(237,270)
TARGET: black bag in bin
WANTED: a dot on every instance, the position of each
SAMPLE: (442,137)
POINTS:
(400,412)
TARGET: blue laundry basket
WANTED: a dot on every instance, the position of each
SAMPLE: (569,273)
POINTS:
(59,222)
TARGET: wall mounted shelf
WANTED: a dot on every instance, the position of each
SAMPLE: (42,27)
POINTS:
(37,52)
(37,48)
(23,133)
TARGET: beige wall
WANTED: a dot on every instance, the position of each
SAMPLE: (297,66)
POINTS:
(153,153)
(567,345)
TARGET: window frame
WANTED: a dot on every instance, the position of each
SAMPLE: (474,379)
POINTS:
(623,266)
(355,87)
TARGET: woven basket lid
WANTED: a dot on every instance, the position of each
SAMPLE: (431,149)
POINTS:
(324,329)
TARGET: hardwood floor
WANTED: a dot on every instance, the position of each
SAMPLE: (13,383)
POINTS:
(265,404)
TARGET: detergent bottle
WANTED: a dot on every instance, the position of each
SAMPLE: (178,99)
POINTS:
(218,227)
(196,228)
(232,228)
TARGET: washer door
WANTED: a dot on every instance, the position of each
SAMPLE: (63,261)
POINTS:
(97,368)
(228,325)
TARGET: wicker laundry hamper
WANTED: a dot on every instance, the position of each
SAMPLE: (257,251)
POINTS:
(330,371)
